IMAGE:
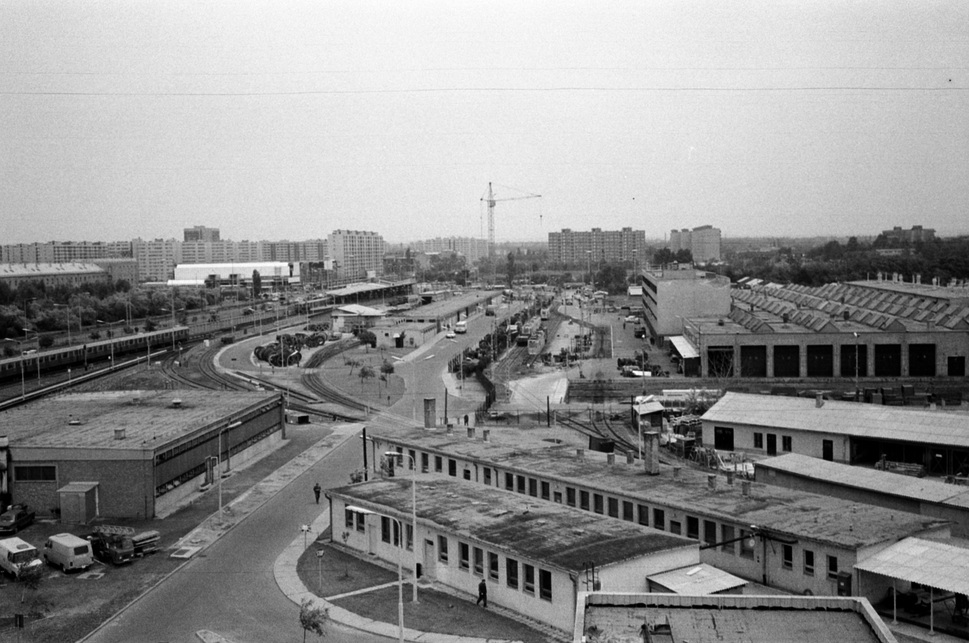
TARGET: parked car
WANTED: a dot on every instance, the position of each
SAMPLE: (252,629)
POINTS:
(450,334)
(15,519)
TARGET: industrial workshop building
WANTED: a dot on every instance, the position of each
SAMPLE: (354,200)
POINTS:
(792,540)
(534,556)
(848,432)
(137,453)
(672,295)
(844,331)
(925,496)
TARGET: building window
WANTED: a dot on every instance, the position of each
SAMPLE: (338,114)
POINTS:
(385,529)
(467,474)
(529,585)
(478,561)
(833,567)
(509,482)
(613,504)
(409,537)
(758,440)
(584,500)
(361,522)
(692,527)
(424,464)
(723,438)
(726,536)
(452,468)
(546,490)
(545,585)
(597,503)
(493,566)
(35,473)
(570,496)
(511,572)
(533,487)
(348,518)
(442,549)
(786,442)
(676,527)
(557,497)
(438,464)
(709,532)
(659,519)
(520,481)
(808,562)
(627,510)
(643,514)
(464,554)
(412,460)
(787,556)
(486,474)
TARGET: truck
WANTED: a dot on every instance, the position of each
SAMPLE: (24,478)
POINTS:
(17,556)
(112,544)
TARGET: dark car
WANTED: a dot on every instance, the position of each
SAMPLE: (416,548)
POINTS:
(15,519)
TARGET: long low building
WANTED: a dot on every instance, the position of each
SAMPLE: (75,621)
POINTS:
(846,432)
(534,557)
(925,496)
(271,273)
(139,452)
(793,540)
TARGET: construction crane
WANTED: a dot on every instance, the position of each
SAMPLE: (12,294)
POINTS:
(490,199)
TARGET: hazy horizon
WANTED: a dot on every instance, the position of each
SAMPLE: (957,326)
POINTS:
(287,120)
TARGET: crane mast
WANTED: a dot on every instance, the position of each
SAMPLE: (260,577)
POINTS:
(490,199)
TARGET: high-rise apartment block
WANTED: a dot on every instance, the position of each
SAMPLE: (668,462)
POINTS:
(201,233)
(356,254)
(597,244)
(64,251)
(916,235)
(702,242)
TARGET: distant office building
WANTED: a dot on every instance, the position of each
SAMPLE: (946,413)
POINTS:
(51,274)
(201,233)
(670,296)
(702,242)
(472,249)
(581,247)
(916,235)
(63,251)
(357,255)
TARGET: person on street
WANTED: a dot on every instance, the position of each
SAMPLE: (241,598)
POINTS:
(482,593)
(316,492)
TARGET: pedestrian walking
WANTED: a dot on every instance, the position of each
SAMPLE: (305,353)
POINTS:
(316,492)
(465,419)
(482,593)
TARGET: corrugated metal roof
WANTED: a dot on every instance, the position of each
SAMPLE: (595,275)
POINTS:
(683,347)
(923,489)
(697,580)
(927,562)
(843,418)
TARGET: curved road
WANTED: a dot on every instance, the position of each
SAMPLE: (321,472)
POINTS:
(229,589)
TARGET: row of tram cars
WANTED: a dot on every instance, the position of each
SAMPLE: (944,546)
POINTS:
(86,355)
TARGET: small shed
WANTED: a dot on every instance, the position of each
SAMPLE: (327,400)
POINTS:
(78,502)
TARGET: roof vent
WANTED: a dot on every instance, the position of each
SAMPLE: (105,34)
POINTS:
(73,421)
(119,434)
(177,403)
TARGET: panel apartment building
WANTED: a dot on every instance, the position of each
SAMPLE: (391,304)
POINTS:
(581,247)
(702,242)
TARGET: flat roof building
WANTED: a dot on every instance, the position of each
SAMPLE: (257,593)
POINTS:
(271,273)
(670,296)
(52,274)
(846,432)
(146,450)
(783,538)
(534,556)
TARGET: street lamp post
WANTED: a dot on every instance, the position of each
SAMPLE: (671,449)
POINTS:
(413,508)
(228,466)
(400,569)
(856,365)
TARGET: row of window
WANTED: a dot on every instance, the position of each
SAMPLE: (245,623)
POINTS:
(517,575)
(787,562)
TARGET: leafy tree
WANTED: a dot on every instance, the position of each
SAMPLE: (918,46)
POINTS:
(367,337)
(387,368)
(30,578)
(256,283)
(365,373)
(313,619)
(45,341)
(664,256)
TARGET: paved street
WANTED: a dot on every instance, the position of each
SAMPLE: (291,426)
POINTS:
(229,589)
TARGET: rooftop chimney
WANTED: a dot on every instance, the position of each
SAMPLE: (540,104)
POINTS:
(630,457)
(818,400)
(580,454)
(729,477)
(712,481)
(676,472)
(470,432)
(610,458)
(177,403)
(119,434)
(485,434)
(745,488)
(651,453)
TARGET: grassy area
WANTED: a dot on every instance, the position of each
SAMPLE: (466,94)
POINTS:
(343,372)
(435,611)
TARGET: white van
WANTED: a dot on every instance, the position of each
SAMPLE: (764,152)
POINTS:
(17,555)
(69,552)
(461,327)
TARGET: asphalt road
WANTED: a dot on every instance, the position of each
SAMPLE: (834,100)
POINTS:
(229,589)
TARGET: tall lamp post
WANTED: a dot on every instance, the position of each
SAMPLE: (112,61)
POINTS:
(400,569)
(857,359)
(413,508)
(228,466)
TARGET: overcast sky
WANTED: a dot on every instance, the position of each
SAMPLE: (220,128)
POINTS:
(286,120)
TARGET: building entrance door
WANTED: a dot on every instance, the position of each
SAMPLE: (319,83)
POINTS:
(430,561)
(771,444)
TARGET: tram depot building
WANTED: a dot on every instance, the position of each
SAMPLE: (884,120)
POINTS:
(534,556)
(132,454)
(799,542)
